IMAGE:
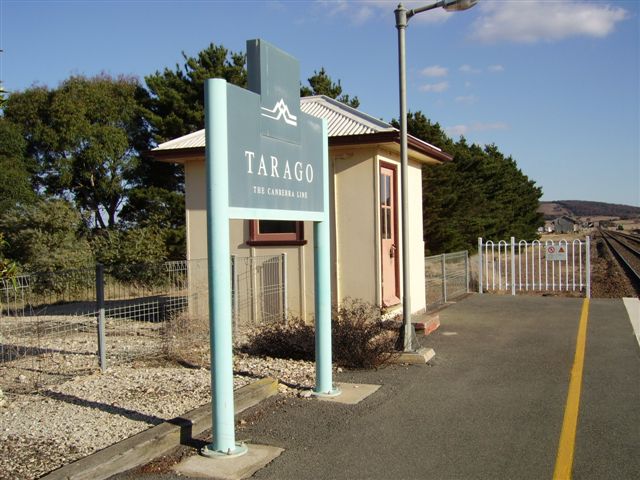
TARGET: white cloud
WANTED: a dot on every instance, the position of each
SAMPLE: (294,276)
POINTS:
(495,68)
(361,11)
(457,130)
(362,15)
(434,87)
(435,71)
(481,127)
(531,21)
(466,99)
(469,69)
(332,8)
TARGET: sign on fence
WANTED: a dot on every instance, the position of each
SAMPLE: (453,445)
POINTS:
(555,253)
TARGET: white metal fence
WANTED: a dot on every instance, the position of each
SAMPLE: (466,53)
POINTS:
(560,266)
(446,277)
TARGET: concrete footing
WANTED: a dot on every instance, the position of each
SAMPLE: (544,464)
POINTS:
(351,393)
(419,357)
(235,468)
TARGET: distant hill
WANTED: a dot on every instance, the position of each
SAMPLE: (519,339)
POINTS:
(581,208)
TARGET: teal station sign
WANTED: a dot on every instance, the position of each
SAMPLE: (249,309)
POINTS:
(265,160)
(275,150)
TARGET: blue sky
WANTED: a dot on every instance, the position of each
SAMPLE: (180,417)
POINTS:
(555,84)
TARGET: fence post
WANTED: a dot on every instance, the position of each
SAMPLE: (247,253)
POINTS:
(285,306)
(480,265)
(588,266)
(444,278)
(102,354)
(234,294)
(254,289)
(466,268)
(513,265)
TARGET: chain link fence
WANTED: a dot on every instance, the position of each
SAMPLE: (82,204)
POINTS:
(446,278)
(64,324)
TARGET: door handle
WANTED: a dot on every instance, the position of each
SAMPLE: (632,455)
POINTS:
(392,251)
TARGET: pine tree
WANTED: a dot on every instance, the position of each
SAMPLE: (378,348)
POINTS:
(321,84)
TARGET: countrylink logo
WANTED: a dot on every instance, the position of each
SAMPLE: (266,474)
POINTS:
(280,111)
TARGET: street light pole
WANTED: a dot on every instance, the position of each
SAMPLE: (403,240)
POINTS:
(402,19)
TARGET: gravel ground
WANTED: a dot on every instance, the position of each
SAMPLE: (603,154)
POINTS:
(62,423)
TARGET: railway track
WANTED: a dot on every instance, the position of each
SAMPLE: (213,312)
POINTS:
(626,250)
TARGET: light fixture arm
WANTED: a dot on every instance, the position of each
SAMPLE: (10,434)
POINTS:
(403,15)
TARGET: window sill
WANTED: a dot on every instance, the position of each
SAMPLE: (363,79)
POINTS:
(276,243)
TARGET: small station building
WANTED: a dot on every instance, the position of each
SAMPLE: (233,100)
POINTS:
(364,184)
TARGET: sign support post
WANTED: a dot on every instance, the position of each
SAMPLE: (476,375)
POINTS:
(219,273)
(322,272)
(267,160)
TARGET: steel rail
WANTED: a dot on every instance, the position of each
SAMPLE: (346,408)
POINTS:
(608,237)
(622,239)
(627,236)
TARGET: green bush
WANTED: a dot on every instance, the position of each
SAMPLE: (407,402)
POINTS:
(132,256)
(47,238)
(361,339)
(8,269)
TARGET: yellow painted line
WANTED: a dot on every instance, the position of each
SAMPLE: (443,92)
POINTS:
(564,460)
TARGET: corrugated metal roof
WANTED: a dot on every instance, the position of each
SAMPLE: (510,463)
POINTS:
(192,140)
(342,121)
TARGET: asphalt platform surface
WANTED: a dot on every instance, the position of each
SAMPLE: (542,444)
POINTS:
(489,406)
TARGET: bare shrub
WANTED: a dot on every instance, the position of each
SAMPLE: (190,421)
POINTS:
(187,340)
(291,338)
(361,339)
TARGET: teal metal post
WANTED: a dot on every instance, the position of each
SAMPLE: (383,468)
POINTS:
(322,271)
(219,273)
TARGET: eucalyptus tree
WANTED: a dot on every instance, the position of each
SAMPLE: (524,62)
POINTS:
(83,140)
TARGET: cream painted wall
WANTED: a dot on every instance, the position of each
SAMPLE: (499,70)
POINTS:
(196,206)
(416,242)
(355,228)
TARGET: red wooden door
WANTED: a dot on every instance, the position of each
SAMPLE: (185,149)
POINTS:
(388,236)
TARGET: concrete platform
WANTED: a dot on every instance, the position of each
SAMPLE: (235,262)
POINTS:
(352,393)
(234,468)
(633,310)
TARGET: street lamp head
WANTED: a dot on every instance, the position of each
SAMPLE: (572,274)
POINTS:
(458,5)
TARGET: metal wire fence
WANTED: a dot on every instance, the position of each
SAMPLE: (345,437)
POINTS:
(446,277)
(59,325)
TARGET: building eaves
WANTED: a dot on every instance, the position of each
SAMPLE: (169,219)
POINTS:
(346,126)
